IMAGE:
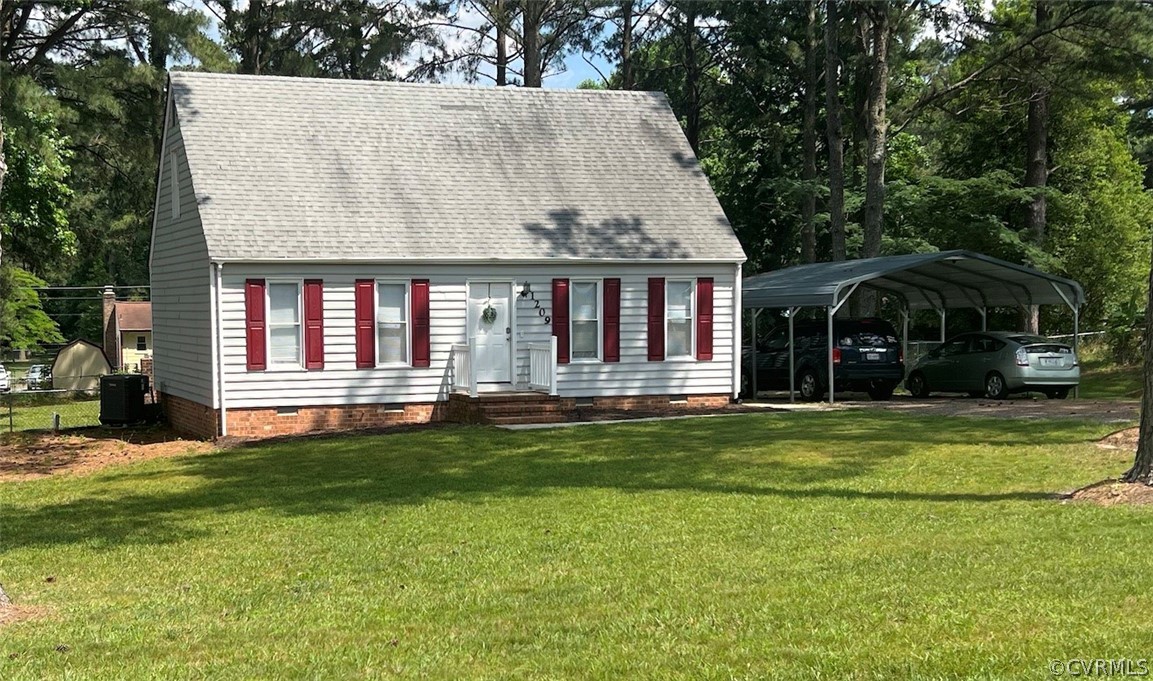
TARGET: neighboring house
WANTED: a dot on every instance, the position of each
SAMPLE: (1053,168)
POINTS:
(333,253)
(127,331)
(79,366)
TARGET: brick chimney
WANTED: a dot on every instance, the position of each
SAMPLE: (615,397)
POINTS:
(111,344)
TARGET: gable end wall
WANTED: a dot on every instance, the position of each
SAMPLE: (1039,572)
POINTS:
(181,285)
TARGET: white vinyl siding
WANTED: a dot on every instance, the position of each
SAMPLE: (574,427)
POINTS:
(585,320)
(182,284)
(342,383)
(284,329)
(392,323)
(679,314)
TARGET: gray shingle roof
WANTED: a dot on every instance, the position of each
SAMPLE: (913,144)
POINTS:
(330,169)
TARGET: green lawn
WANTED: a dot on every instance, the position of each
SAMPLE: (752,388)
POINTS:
(29,414)
(1104,380)
(786,546)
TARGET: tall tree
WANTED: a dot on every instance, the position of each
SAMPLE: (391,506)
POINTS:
(1037,155)
(809,137)
(532,18)
(1142,469)
(877,22)
(834,132)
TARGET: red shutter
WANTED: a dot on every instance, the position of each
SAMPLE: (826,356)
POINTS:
(560,319)
(705,318)
(656,319)
(365,324)
(254,324)
(421,353)
(612,323)
(313,324)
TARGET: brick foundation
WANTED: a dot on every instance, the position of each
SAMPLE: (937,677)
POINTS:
(269,422)
(189,418)
(200,421)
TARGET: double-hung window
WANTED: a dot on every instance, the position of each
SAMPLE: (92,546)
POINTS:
(679,315)
(585,316)
(284,323)
(391,323)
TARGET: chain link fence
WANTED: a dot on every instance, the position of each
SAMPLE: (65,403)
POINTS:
(22,410)
(46,407)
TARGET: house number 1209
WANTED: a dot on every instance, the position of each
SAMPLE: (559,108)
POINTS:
(527,292)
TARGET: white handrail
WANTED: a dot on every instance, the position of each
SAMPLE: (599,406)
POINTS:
(542,366)
(463,368)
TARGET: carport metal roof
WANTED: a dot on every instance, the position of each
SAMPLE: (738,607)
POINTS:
(923,281)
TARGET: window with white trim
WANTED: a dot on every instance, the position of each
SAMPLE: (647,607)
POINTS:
(284,326)
(174,185)
(679,318)
(141,343)
(585,319)
(391,323)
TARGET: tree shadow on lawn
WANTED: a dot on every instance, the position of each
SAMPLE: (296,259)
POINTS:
(760,455)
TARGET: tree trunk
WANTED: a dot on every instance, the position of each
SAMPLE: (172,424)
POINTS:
(251,57)
(876,127)
(501,19)
(1142,470)
(532,15)
(834,133)
(158,53)
(809,171)
(1037,163)
(692,77)
(627,78)
(3,171)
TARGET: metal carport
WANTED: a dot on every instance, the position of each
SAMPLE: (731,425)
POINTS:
(921,281)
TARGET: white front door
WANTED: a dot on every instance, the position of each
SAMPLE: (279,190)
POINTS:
(492,331)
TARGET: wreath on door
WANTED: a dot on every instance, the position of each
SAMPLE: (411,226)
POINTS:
(488,315)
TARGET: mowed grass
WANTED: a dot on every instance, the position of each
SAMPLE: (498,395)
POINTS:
(27,415)
(1104,380)
(791,546)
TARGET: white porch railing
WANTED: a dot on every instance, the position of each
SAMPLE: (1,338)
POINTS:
(542,366)
(463,368)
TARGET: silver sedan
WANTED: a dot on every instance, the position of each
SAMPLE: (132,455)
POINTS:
(996,364)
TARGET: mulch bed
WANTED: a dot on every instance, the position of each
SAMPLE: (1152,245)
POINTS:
(1125,438)
(12,613)
(26,456)
(1114,492)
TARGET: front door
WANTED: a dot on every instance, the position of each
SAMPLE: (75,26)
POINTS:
(490,324)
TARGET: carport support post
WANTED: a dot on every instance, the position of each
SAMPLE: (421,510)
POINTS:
(791,351)
(832,311)
(942,313)
(1076,344)
(905,333)
(984,318)
(756,313)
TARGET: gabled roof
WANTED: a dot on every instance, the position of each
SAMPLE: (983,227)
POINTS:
(134,315)
(303,168)
(922,280)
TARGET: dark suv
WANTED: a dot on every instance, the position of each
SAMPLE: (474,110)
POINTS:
(866,357)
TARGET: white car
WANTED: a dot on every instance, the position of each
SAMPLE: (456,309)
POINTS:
(5,385)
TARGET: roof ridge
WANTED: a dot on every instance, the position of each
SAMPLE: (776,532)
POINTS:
(195,75)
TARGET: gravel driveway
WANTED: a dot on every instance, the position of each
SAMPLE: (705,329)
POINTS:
(1017,407)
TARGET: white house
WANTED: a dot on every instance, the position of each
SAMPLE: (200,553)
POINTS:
(331,254)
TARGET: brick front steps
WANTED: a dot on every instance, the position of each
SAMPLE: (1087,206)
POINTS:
(522,408)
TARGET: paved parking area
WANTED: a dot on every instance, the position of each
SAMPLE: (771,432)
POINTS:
(1017,407)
